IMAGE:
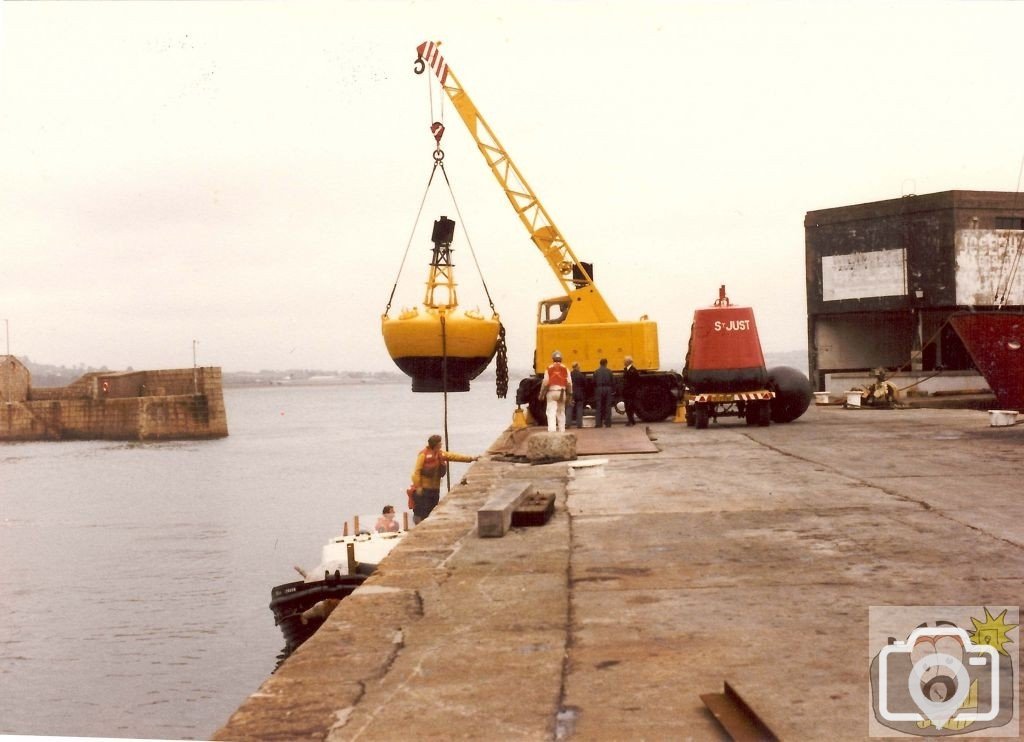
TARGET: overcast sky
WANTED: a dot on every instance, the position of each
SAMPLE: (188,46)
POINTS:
(248,174)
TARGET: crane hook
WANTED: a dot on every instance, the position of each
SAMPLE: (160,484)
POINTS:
(419,65)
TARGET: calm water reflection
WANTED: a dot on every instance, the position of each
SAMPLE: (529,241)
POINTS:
(135,578)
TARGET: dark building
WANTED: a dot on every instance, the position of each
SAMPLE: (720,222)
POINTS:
(883,277)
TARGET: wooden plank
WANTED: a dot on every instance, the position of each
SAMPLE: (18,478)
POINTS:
(495,518)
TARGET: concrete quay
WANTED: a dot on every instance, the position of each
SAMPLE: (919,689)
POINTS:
(741,554)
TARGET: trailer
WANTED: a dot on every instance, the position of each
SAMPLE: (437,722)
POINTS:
(725,373)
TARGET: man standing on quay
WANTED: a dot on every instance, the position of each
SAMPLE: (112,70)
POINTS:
(576,381)
(431,466)
(604,386)
(630,385)
(557,389)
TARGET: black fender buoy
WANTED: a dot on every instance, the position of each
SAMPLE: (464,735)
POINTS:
(792,393)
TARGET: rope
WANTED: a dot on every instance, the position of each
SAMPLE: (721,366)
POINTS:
(1012,276)
(1002,290)
(411,235)
(919,381)
(444,389)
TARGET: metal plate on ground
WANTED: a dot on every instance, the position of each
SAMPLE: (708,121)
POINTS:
(736,717)
(589,441)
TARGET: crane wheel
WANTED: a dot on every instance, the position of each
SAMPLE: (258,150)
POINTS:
(654,403)
(538,411)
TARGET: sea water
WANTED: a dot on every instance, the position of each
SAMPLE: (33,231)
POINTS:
(135,577)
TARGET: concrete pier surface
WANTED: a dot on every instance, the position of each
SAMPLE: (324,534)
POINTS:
(741,554)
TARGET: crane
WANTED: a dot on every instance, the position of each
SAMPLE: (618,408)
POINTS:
(579,322)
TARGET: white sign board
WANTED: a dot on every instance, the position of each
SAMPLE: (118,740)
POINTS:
(864,274)
(985,266)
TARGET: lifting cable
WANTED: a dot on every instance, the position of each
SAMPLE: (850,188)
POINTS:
(437,129)
(439,162)
(411,235)
(501,363)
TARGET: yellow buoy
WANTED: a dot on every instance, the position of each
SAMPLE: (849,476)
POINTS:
(441,347)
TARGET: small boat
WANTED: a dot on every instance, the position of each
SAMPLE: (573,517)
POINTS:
(301,607)
(995,341)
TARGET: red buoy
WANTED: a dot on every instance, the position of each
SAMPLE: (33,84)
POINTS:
(724,354)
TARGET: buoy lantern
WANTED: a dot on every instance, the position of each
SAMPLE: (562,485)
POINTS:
(441,347)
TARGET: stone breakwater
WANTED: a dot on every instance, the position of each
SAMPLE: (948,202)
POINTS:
(165,404)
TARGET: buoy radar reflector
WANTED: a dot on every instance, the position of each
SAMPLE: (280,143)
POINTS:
(441,347)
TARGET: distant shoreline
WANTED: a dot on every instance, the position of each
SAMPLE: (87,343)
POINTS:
(262,383)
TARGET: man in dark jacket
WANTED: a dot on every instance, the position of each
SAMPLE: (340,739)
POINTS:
(604,388)
(630,387)
(578,399)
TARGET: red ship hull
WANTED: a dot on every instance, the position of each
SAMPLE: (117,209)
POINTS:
(995,341)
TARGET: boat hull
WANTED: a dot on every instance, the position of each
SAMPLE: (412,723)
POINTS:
(994,341)
(289,601)
(330,580)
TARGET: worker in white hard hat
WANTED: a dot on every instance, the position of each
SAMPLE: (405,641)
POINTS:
(556,388)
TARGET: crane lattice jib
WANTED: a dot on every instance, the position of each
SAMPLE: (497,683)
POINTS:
(534,216)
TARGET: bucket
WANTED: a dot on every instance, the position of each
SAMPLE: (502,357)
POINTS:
(1002,418)
(853,398)
(821,398)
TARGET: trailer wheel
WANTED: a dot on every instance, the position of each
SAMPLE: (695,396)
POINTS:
(701,416)
(751,413)
(689,416)
(764,414)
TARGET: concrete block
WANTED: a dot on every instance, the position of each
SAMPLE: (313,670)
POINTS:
(495,518)
(542,447)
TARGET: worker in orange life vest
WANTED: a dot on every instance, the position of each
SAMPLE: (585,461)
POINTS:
(557,389)
(431,466)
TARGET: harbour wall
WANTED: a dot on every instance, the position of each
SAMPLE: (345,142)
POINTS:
(736,554)
(161,404)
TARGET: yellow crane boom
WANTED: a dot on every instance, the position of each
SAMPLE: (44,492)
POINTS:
(587,304)
(579,324)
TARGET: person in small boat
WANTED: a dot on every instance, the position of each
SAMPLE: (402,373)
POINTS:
(431,466)
(386,523)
